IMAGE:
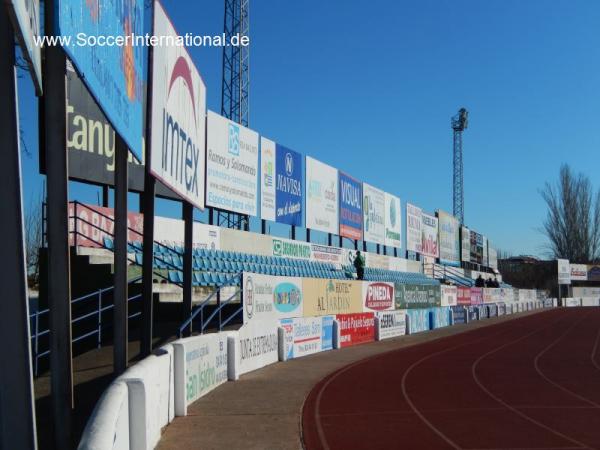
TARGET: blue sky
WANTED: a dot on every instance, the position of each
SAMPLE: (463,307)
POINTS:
(369,87)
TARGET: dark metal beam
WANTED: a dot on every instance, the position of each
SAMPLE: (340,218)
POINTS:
(120,325)
(188,223)
(147,265)
(17,410)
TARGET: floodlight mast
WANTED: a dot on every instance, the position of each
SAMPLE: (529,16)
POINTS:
(459,124)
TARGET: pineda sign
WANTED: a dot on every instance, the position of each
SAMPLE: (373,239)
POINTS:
(378,296)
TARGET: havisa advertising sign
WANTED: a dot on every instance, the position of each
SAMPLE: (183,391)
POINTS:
(378,296)
(288,186)
(270,297)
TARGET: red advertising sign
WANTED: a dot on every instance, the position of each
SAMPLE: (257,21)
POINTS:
(356,328)
(379,296)
(463,296)
(476,296)
(93,223)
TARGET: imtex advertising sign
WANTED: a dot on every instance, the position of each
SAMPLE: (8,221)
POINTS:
(351,213)
(321,196)
(114,74)
(231,166)
(178,129)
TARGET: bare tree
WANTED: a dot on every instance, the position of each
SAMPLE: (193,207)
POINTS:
(33,239)
(572,225)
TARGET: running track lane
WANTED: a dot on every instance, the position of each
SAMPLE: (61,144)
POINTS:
(529,383)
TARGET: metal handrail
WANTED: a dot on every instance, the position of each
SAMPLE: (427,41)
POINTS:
(218,310)
(226,321)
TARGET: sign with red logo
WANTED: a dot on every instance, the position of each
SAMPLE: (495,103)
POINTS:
(356,328)
(476,296)
(463,296)
(378,296)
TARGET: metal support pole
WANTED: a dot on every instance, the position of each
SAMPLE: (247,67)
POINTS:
(395,252)
(263,226)
(211,216)
(364,246)
(120,334)
(147,265)
(59,266)
(17,410)
(378,248)
(293,232)
(105,195)
(341,241)
(308,235)
(330,240)
(188,223)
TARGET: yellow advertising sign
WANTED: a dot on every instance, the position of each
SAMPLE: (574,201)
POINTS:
(325,296)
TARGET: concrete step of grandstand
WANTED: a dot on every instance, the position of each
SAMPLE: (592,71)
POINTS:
(100,255)
(171,293)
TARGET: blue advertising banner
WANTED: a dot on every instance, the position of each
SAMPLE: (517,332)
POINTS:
(351,208)
(459,314)
(104,39)
(289,186)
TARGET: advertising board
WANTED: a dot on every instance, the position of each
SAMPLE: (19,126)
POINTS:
(472,313)
(323,297)
(492,257)
(118,82)
(253,346)
(459,314)
(465,239)
(289,186)
(476,296)
(321,196)
(430,236)
(231,166)
(418,320)
(579,272)
(439,317)
(171,232)
(200,366)
(414,236)
(507,295)
(389,324)
(393,221)
(355,329)
(351,207)
(483,312)
(377,296)
(449,239)
(449,295)
(463,296)
(374,214)
(306,335)
(564,271)
(417,296)
(178,129)
(267,179)
(476,248)
(271,297)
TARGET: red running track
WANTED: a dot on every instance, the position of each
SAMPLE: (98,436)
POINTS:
(527,383)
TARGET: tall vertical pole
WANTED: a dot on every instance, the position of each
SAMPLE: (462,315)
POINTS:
(59,265)
(188,223)
(17,410)
(120,356)
(105,192)
(147,264)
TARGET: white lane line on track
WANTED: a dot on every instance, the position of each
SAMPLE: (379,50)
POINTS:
(580,445)
(554,383)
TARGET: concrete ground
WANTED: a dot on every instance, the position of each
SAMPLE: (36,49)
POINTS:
(263,409)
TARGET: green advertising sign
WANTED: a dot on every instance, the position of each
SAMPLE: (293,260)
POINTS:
(291,249)
(417,296)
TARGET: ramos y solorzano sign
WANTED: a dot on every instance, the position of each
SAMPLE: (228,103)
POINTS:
(378,296)
(355,328)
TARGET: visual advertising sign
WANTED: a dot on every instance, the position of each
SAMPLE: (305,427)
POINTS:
(393,221)
(307,335)
(321,197)
(271,297)
(267,179)
(351,211)
(430,236)
(231,166)
(465,237)
(356,328)
(114,74)
(323,297)
(288,186)
(378,296)
(389,324)
(417,296)
(414,234)
(564,271)
(374,214)
(449,239)
(25,15)
(178,131)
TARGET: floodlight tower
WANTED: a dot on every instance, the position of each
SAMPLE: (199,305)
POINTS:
(459,124)
(236,63)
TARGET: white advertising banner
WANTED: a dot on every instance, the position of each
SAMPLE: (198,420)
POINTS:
(231,166)
(271,297)
(321,196)
(393,221)
(170,232)
(414,237)
(564,271)
(25,15)
(449,239)
(253,346)
(485,252)
(579,272)
(200,366)
(267,179)
(374,214)
(389,324)
(377,296)
(449,295)
(430,236)
(492,257)
(178,129)
(465,249)
(507,295)
(306,335)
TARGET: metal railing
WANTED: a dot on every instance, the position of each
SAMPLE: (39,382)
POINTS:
(437,271)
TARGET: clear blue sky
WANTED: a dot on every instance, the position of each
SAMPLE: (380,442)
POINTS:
(369,87)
